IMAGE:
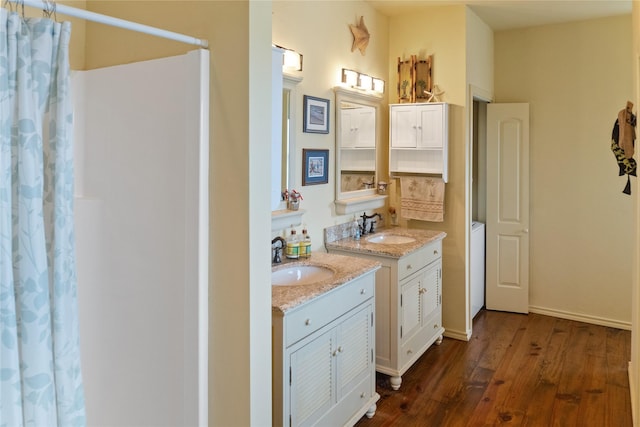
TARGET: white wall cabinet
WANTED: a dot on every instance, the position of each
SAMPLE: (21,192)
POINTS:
(408,308)
(358,128)
(358,139)
(324,370)
(418,138)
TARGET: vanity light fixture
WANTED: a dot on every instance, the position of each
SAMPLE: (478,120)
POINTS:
(378,85)
(291,60)
(349,77)
(362,81)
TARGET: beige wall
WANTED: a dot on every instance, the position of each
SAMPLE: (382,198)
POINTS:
(479,51)
(634,368)
(576,77)
(440,32)
(320,31)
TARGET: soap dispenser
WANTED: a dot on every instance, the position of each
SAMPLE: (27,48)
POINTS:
(293,246)
(355,229)
(305,244)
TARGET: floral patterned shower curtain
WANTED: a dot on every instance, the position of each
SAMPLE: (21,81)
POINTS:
(40,378)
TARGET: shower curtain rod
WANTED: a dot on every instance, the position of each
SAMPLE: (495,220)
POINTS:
(114,22)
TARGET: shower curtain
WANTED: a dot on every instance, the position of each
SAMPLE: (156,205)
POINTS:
(40,378)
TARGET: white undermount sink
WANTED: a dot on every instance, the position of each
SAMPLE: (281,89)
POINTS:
(390,239)
(300,275)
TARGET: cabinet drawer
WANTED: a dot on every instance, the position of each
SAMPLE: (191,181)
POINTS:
(311,316)
(413,262)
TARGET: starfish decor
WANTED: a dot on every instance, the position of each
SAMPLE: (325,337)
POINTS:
(360,36)
(435,95)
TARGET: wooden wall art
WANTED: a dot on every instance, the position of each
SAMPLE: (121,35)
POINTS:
(423,81)
(415,80)
(406,78)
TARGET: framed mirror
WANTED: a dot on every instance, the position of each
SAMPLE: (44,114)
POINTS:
(285,149)
(357,139)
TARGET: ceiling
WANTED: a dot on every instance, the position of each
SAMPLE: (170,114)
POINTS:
(510,14)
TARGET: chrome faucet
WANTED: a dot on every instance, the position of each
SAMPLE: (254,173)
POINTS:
(365,217)
(278,249)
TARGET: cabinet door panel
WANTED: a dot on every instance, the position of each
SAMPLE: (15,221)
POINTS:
(312,390)
(403,127)
(430,295)
(354,354)
(366,128)
(410,306)
(348,129)
(430,131)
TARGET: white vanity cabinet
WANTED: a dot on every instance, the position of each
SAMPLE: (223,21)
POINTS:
(323,358)
(408,307)
(418,138)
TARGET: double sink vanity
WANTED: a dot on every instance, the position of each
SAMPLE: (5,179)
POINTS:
(367,305)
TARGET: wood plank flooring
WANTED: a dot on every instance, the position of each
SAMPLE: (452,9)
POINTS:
(517,370)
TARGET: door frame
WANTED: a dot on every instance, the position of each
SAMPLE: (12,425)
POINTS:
(474,93)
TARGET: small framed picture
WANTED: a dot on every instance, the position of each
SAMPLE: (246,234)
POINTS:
(315,164)
(316,115)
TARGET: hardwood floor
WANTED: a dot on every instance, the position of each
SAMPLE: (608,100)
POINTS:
(518,370)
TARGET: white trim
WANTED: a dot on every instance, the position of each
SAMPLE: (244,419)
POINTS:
(114,22)
(632,393)
(203,241)
(579,317)
(457,335)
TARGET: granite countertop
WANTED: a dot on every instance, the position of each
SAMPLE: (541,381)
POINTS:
(422,237)
(284,298)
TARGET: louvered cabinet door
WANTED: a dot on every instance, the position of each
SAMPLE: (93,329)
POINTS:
(430,291)
(410,295)
(312,379)
(354,355)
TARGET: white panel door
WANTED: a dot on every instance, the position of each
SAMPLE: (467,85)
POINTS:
(507,286)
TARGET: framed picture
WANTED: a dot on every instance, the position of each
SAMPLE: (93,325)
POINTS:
(316,115)
(315,166)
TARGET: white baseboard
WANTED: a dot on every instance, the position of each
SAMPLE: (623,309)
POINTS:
(595,320)
(457,335)
(632,392)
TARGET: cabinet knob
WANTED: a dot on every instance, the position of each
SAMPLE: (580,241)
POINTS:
(363,291)
(362,395)
(422,290)
(435,326)
(409,351)
(307,322)
(435,252)
(409,267)
(339,349)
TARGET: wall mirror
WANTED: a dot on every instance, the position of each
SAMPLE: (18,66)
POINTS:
(357,139)
(284,149)
(288,142)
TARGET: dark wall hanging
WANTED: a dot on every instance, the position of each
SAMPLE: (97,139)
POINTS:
(622,143)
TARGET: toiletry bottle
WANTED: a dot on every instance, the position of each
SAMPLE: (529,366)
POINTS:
(305,244)
(293,246)
(355,229)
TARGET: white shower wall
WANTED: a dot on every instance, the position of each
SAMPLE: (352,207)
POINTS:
(140,234)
